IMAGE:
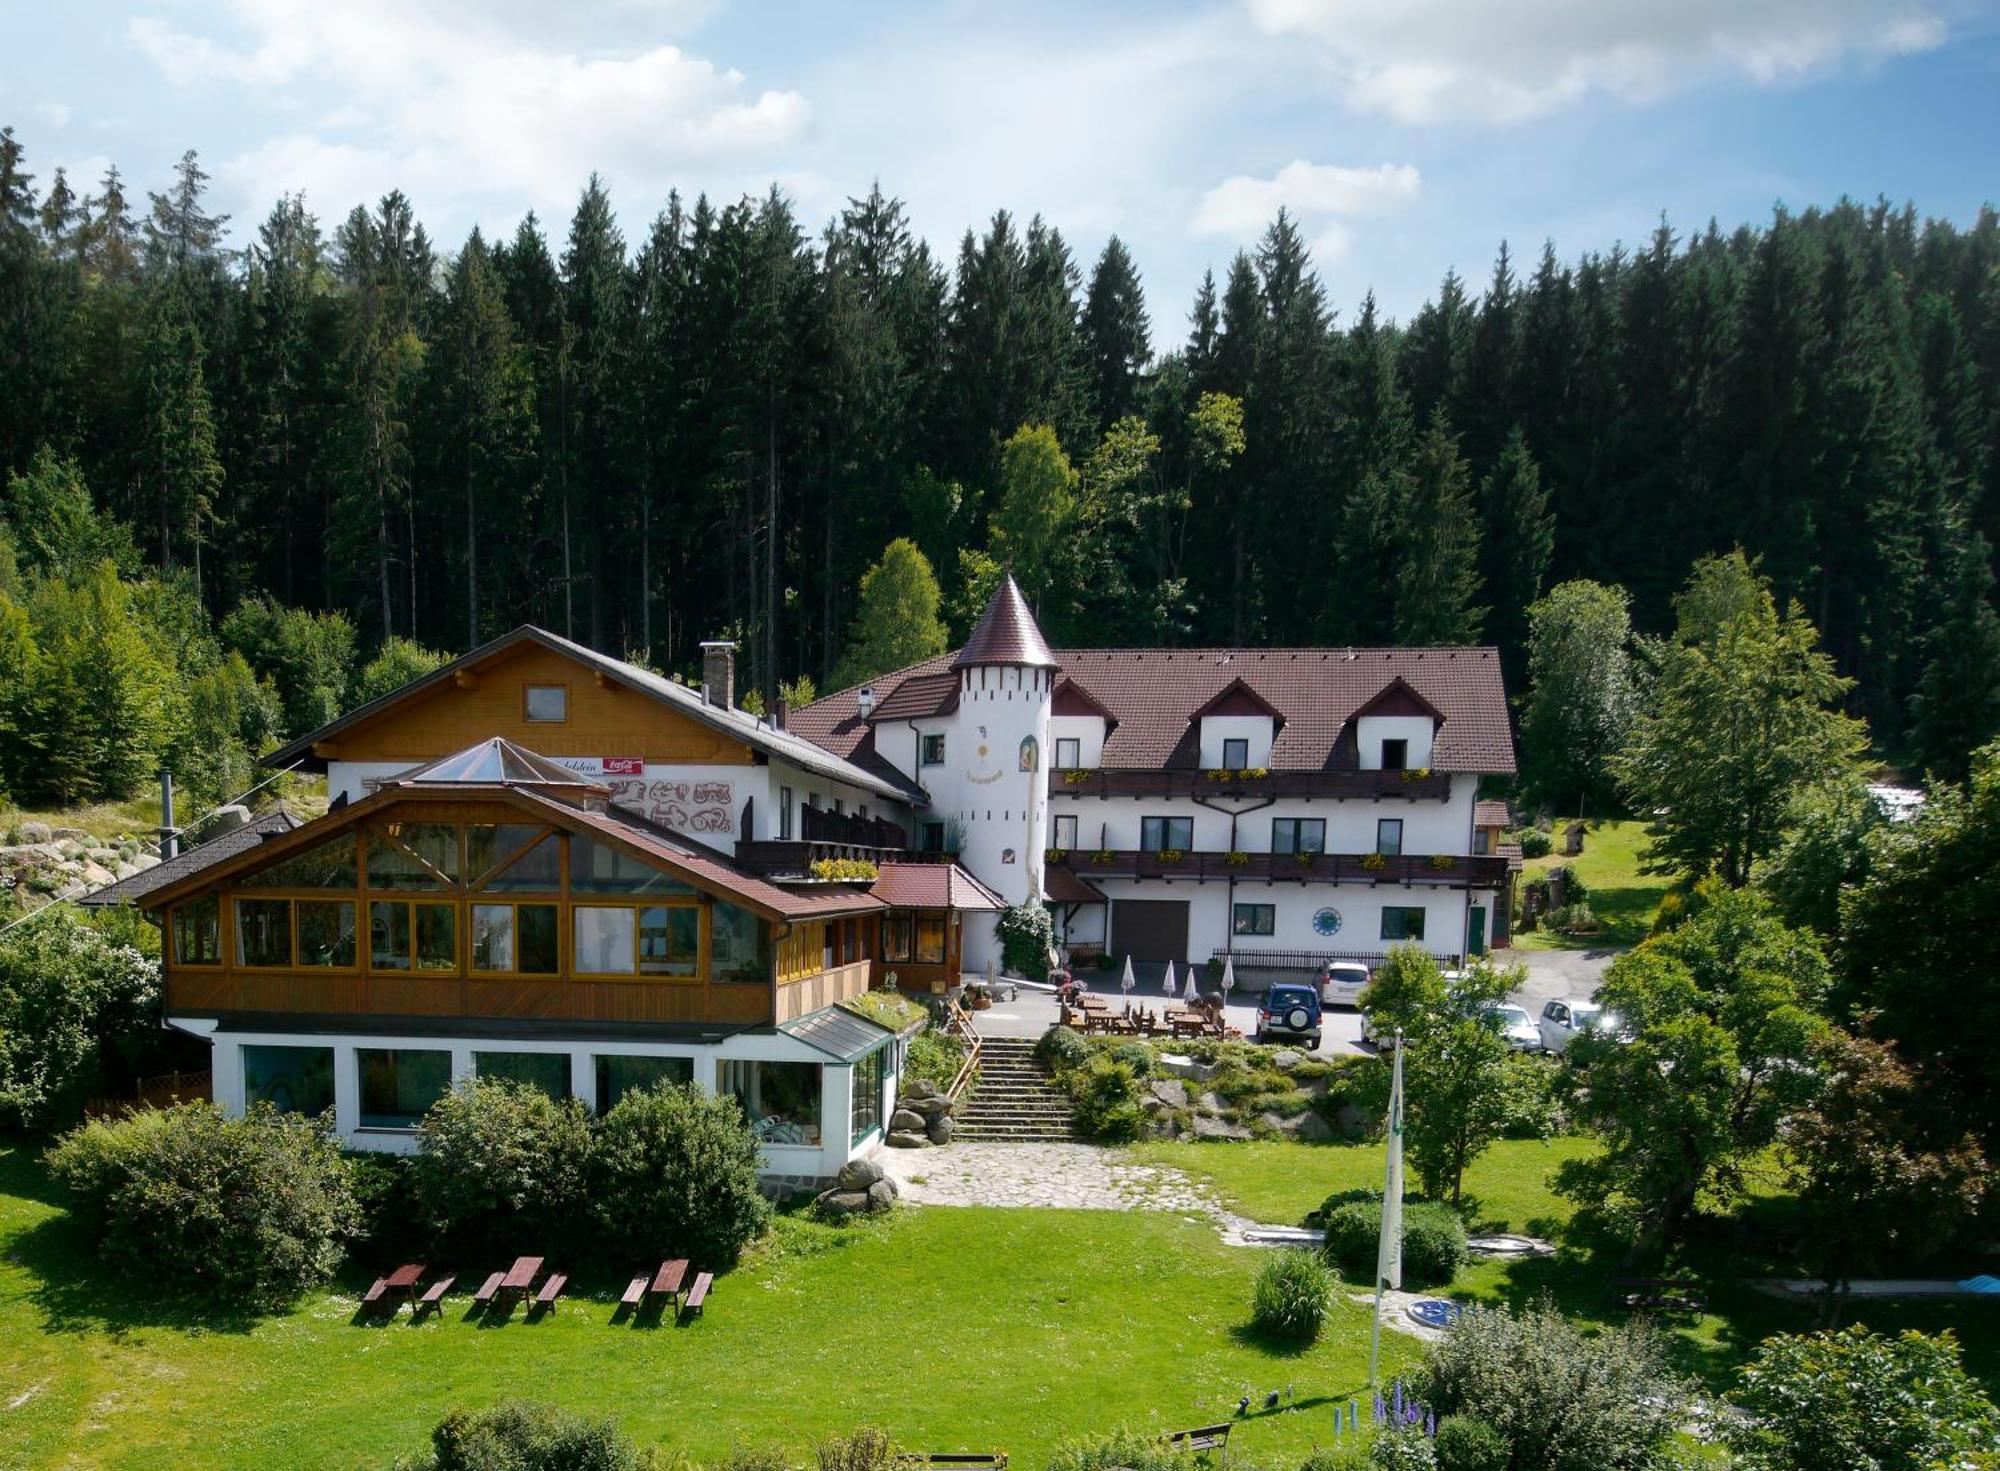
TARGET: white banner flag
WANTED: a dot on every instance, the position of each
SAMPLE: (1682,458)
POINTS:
(1389,1259)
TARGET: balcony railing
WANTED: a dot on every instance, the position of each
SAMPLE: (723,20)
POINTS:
(1478,871)
(819,825)
(1183,782)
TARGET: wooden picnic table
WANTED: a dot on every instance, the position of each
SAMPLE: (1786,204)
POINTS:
(405,1278)
(521,1276)
(667,1281)
(1088,1002)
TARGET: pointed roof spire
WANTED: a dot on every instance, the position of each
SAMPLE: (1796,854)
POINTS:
(1006,633)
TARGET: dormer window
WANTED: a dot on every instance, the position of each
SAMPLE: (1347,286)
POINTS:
(1236,753)
(1395,755)
(1069,753)
(545,704)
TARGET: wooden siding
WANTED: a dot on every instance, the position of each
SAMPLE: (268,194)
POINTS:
(801,998)
(224,993)
(605,719)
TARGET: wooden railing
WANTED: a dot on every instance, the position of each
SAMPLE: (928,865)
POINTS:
(1196,782)
(959,1025)
(1422,869)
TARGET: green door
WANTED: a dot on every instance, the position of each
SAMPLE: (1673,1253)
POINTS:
(1475,930)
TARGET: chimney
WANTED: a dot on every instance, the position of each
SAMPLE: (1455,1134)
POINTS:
(864,700)
(781,713)
(170,835)
(718,673)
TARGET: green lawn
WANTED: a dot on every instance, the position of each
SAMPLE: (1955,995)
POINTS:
(954,1329)
(1625,899)
(1508,1188)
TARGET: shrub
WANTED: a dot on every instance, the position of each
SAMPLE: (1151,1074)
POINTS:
(675,1173)
(1106,1093)
(1349,1456)
(933,1057)
(1061,1049)
(68,996)
(1572,917)
(867,1449)
(1561,1400)
(1121,1450)
(1829,1401)
(1294,1290)
(381,1184)
(1526,1098)
(1534,842)
(1135,1055)
(255,1209)
(501,1163)
(1027,939)
(523,1436)
(1433,1240)
(1467,1443)
(1402,1448)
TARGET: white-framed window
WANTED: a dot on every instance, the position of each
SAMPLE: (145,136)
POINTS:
(1389,836)
(1069,753)
(932,749)
(1065,831)
(1235,752)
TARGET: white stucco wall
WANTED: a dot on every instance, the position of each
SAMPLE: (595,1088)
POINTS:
(1371,730)
(1256,730)
(1086,730)
(1429,826)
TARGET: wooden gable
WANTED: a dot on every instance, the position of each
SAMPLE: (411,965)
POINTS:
(604,717)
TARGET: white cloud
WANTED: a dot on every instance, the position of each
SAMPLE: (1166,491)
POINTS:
(448,97)
(1241,206)
(55,114)
(1426,61)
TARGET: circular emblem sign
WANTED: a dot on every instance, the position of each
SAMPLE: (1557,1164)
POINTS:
(1327,922)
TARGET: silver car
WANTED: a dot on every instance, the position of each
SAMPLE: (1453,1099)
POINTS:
(1565,1020)
(1342,982)
(1516,1026)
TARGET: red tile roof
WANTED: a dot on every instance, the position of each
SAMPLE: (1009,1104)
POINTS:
(932,886)
(1489,814)
(923,694)
(1154,693)
(1006,633)
(1066,888)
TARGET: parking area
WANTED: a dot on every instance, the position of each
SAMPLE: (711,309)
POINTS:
(1550,974)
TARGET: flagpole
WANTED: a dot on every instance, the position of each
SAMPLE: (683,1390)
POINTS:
(1388,1261)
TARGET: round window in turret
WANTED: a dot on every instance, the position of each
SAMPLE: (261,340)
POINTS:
(1327,922)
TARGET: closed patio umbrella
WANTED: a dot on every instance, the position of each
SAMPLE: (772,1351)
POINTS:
(1171,983)
(1191,992)
(1228,976)
(1126,982)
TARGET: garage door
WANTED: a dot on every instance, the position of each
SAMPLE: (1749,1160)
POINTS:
(1150,929)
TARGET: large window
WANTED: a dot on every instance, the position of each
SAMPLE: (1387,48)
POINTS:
(1163,834)
(781,1099)
(546,1071)
(517,939)
(1065,834)
(1256,919)
(545,704)
(263,932)
(930,939)
(419,856)
(1235,753)
(197,932)
(599,868)
(290,1079)
(398,1085)
(489,846)
(326,932)
(898,935)
(1402,923)
(406,936)
(327,865)
(658,940)
(1298,835)
(617,1076)
(740,946)
(1389,836)
(933,750)
(1069,753)
(865,1111)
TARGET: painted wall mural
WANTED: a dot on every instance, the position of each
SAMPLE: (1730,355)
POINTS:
(680,806)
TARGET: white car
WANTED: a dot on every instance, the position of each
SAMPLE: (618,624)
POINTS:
(1517,1027)
(1342,982)
(1563,1021)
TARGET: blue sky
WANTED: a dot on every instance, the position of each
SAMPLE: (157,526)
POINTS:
(1409,135)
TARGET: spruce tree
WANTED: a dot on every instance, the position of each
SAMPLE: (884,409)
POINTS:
(1116,333)
(1515,547)
(180,233)
(1436,591)
(1956,707)
(180,427)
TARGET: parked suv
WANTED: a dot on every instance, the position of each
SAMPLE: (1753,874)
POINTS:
(1341,983)
(1289,1013)
(1564,1020)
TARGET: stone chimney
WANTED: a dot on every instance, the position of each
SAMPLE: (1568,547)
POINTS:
(864,700)
(718,673)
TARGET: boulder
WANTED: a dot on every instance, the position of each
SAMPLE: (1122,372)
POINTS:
(882,1195)
(70,847)
(1209,1128)
(902,1118)
(929,1107)
(1285,1059)
(1208,1103)
(1313,1129)
(96,876)
(940,1129)
(1171,1092)
(1279,1123)
(1177,1066)
(907,1139)
(842,1202)
(1351,1122)
(919,1088)
(36,832)
(858,1174)
(69,835)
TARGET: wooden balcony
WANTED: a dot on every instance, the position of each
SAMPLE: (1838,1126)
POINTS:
(1184,782)
(824,834)
(1421,870)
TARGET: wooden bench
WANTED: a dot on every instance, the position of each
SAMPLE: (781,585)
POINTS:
(697,1294)
(551,1290)
(488,1290)
(994,1459)
(433,1299)
(1201,1438)
(373,1299)
(635,1292)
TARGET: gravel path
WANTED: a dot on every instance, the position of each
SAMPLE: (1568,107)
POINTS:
(1054,1176)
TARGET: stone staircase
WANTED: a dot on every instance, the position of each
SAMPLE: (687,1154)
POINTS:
(1015,1103)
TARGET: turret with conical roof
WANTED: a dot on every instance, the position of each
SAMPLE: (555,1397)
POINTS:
(1006,633)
